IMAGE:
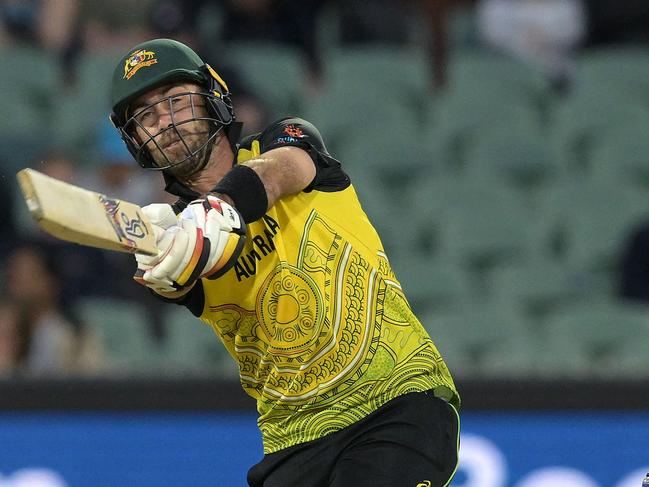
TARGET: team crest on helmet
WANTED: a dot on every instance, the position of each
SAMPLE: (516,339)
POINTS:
(138,60)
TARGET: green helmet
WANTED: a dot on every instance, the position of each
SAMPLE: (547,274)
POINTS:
(156,63)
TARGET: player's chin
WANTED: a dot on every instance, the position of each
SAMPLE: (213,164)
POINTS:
(184,168)
(180,159)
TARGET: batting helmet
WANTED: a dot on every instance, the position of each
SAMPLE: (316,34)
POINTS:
(157,63)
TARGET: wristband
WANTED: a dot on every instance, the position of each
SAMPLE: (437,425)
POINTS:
(246,189)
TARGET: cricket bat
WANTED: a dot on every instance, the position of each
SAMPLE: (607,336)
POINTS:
(81,216)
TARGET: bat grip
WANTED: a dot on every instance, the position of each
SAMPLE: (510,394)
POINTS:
(180,205)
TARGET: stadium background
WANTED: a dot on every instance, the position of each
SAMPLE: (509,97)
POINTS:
(500,147)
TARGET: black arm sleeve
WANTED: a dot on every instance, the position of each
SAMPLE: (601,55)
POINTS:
(297,132)
(194,300)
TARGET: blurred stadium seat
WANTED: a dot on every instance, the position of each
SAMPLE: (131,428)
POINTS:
(340,115)
(481,225)
(621,157)
(480,73)
(537,287)
(583,118)
(615,72)
(454,122)
(584,222)
(483,340)
(81,105)
(391,155)
(28,77)
(381,74)
(123,332)
(517,155)
(274,72)
(192,347)
(400,235)
(602,339)
(434,285)
(372,89)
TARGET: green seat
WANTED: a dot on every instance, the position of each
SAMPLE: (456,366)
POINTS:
(399,235)
(518,155)
(81,107)
(391,155)
(483,340)
(274,72)
(192,347)
(479,74)
(433,284)
(373,89)
(621,156)
(537,287)
(29,78)
(584,223)
(583,119)
(615,71)
(340,115)
(596,339)
(456,122)
(122,329)
(404,209)
(482,225)
(380,74)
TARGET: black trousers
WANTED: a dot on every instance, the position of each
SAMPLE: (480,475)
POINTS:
(412,441)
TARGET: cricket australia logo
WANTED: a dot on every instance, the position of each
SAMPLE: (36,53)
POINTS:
(138,60)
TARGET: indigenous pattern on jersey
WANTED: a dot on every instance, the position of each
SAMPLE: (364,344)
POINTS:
(312,311)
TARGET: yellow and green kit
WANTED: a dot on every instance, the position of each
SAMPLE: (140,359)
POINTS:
(312,312)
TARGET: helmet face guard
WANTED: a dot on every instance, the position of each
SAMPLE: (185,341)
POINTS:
(192,135)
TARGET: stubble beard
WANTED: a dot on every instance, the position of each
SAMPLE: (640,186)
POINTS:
(179,151)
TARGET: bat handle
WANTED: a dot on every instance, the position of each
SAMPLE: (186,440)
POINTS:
(180,205)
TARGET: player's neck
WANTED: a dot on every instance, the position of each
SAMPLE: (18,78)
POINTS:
(219,164)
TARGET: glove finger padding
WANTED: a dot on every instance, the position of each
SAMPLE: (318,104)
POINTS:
(205,243)
(226,215)
(161,215)
(227,250)
(183,254)
(225,230)
(163,243)
(145,263)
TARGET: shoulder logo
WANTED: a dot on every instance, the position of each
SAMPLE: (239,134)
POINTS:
(138,60)
(425,483)
(293,131)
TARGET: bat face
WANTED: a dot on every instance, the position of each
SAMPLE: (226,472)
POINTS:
(77,215)
(129,229)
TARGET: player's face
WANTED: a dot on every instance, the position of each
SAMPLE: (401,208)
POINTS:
(168,121)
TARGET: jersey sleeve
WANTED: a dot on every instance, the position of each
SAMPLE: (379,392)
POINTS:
(297,132)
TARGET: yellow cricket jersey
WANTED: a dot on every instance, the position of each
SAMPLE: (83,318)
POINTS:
(312,312)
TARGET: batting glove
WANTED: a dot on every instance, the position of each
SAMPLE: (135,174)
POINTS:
(204,241)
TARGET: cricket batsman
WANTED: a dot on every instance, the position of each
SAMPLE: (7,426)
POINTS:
(269,246)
